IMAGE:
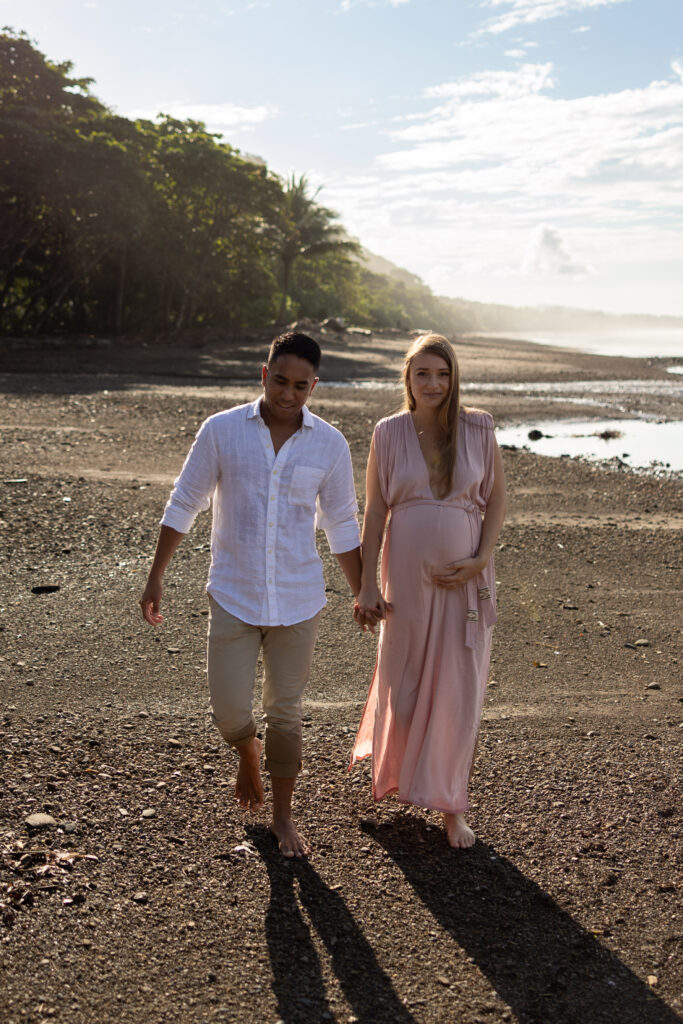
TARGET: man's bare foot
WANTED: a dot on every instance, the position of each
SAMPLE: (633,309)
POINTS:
(290,842)
(249,787)
(460,835)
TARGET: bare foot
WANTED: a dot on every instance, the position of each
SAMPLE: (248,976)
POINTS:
(290,842)
(249,787)
(460,835)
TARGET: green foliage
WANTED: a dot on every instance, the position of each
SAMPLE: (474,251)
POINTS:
(112,225)
(306,231)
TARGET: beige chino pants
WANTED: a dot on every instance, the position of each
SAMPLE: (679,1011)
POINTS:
(232,653)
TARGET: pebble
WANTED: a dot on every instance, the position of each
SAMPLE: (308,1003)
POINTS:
(45,588)
(149,812)
(173,650)
(174,743)
(40,820)
(642,643)
(653,686)
(143,714)
(139,897)
(70,827)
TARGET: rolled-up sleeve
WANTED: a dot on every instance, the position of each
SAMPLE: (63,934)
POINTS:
(337,508)
(193,489)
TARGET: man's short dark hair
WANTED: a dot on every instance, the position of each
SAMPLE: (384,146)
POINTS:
(294,343)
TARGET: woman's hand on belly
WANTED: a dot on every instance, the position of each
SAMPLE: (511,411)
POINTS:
(456,574)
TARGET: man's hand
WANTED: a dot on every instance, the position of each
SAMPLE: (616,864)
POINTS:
(365,619)
(169,539)
(150,602)
(370,607)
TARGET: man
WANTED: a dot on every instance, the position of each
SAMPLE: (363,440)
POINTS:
(275,471)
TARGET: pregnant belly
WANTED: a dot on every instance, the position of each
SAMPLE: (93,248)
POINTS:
(425,538)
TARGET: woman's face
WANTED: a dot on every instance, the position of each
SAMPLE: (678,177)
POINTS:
(429,378)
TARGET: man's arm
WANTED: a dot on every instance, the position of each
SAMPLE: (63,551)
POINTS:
(168,542)
(350,563)
(191,494)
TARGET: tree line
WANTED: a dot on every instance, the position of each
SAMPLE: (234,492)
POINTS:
(113,226)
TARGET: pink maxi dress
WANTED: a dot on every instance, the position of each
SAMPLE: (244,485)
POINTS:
(421,719)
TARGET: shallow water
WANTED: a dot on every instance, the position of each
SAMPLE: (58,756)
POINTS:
(563,387)
(639,344)
(613,394)
(640,444)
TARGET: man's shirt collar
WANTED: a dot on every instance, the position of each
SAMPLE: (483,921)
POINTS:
(254,412)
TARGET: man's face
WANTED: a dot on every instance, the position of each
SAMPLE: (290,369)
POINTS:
(287,383)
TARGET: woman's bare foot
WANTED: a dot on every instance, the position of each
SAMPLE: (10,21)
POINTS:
(290,842)
(460,835)
(249,787)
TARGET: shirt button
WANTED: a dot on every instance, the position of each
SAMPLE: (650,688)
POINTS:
(270,551)
(270,524)
(270,581)
(272,497)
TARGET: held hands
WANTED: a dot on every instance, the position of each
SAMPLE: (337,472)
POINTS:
(150,601)
(456,574)
(370,608)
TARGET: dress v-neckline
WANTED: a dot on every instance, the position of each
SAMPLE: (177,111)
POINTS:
(422,456)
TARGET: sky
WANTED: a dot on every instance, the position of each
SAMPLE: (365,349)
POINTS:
(518,151)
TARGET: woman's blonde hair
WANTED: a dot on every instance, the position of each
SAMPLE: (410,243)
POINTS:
(449,412)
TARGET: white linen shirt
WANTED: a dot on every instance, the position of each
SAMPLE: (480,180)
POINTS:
(265,568)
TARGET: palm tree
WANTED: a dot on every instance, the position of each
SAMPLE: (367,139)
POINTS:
(306,229)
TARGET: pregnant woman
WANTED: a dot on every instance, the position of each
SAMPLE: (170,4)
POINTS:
(435,471)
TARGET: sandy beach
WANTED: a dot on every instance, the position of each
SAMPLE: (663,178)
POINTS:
(152,898)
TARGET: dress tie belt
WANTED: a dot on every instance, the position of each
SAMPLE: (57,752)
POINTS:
(481,609)
(463,503)
(480,590)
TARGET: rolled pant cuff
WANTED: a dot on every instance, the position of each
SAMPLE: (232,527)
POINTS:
(236,737)
(283,770)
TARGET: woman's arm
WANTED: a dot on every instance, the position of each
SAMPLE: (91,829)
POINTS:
(458,573)
(370,599)
(495,510)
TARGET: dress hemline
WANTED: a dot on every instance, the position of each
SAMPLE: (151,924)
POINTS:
(413,803)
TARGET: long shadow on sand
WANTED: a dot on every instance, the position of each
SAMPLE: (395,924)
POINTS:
(544,965)
(297,975)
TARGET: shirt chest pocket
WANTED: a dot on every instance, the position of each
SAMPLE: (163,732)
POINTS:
(305,484)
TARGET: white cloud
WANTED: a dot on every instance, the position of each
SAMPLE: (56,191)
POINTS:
(547,255)
(358,126)
(515,53)
(466,183)
(525,80)
(218,117)
(527,12)
(346,5)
